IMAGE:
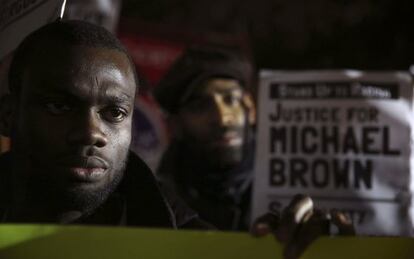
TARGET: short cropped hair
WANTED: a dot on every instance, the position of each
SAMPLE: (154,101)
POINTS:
(73,33)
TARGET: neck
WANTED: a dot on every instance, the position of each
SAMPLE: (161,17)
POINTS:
(41,212)
(197,171)
(31,203)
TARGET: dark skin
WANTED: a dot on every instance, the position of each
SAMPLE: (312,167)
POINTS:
(299,224)
(75,106)
(212,122)
(73,131)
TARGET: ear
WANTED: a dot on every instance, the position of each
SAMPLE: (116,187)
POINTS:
(6,114)
(250,107)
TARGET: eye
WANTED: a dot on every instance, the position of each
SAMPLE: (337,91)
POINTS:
(114,114)
(232,99)
(199,104)
(58,108)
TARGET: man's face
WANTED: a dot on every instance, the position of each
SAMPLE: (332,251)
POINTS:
(73,127)
(213,122)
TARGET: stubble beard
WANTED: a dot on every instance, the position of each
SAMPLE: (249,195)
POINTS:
(76,196)
(213,159)
(85,200)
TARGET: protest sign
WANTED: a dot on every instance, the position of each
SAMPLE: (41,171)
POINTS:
(18,18)
(67,242)
(342,137)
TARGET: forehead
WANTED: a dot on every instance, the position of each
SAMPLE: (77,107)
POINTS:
(220,85)
(66,66)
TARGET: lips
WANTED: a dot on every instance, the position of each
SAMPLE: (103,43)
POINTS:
(228,138)
(84,169)
(86,174)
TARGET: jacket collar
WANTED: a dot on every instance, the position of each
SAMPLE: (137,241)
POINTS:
(145,204)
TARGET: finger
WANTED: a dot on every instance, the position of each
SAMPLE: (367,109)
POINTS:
(300,208)
(265,224)
(260,229)
(343,223)
(307,232)
(318,223)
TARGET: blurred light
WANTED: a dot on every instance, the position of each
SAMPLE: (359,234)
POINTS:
(353,73)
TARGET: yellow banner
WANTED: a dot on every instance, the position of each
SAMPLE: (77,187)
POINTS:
(67,242)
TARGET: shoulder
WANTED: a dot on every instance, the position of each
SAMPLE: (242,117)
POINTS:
(153,205)
(185,217)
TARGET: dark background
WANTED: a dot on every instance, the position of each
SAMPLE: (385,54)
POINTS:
(364,34)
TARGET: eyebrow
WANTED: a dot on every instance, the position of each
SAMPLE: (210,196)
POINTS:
(53,92)
(231,90)
(104,97)
(223,91)
(118,98)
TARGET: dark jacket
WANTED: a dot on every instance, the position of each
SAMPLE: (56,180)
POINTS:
(143,204)
(224,201)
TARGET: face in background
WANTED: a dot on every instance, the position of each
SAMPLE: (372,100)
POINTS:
(101,12)
(213,121)
(73,125)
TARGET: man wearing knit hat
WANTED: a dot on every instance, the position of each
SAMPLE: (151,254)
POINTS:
(209,161)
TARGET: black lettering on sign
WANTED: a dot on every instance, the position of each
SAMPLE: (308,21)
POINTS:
(350,143)
(311,114)
(330,139)
(309,140)
(386,144)
(277,172)
(363,174)
(274,117)
(293,140)
(321,173)
(341,173)
(362,114)
(368,137)
(340,90)
(278,137)
(298,169)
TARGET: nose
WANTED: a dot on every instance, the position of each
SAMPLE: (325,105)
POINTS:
(223,114)
(87,131)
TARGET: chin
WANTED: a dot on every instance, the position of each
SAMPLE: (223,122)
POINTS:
(89,196)
(227,158)
(85,197)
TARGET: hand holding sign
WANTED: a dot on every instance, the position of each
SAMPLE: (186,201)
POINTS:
(300,224)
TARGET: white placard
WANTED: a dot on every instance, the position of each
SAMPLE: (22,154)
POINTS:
(18,18)
(342,137)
